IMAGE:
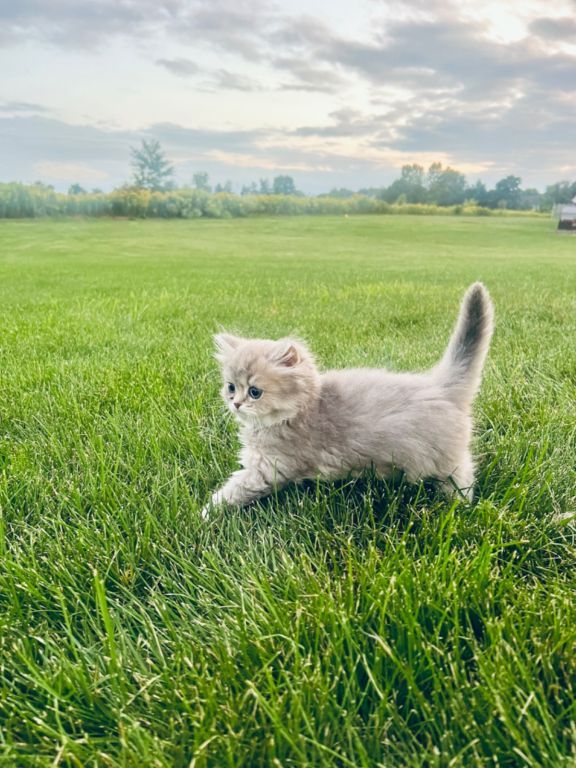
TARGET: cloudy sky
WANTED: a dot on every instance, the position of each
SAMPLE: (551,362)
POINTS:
(332,92)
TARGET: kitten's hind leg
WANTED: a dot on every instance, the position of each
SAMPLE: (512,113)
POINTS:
(243,487)
(450,487)
(460,482)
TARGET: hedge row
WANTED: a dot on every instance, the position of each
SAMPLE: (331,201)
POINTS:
(31,201)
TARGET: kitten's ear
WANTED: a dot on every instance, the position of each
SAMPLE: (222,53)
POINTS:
(225,344)
(286,354)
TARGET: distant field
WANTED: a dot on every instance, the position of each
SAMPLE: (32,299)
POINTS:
(362,625)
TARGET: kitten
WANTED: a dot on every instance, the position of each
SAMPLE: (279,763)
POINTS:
(298,423)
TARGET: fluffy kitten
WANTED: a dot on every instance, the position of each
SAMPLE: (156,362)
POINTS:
(298,423)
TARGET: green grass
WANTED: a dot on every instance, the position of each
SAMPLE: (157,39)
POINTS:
(357,625)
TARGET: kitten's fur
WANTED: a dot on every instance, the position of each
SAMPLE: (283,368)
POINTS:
(309,424)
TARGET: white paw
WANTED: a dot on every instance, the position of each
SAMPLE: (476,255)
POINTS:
(216,501)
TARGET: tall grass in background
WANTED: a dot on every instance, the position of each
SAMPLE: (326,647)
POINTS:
(18,201)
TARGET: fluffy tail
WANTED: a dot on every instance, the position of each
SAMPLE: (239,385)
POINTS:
(460,369)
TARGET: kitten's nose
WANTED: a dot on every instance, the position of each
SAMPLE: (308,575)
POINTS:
(237,405)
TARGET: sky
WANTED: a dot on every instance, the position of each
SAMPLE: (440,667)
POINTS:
(334,93)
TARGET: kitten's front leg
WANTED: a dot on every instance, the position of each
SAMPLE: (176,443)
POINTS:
(243,487)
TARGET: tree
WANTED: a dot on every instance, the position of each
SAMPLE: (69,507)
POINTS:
(433,175)
(226,187)
(377,192)
(506,193)
(446,186)
(151,168)
(76,189)
(264,188)
(530,199)
(409,187)
(412,179)
(396,192)
(201,181)
(249,189)
(413,175)
(478,193)
(340,192)
(283,185)
(561,192)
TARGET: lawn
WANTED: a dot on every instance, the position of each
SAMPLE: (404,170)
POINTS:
(367,624)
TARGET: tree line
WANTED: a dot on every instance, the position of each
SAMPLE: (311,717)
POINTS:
(153,192)
(445,186)
(438,185)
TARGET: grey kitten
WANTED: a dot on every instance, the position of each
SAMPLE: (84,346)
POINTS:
(297,423)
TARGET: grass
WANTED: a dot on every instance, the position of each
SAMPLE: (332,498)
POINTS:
(363,624)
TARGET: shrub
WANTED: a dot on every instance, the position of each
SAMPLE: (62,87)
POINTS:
(30,201)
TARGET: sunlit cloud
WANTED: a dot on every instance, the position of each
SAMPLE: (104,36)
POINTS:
(68,172)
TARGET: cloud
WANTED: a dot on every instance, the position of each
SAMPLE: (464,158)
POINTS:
(51,139)
(228,24)
(196,141)
(68,172)
(80,23)
(557,28)
(213,80)
(34,139)
(223,79)
(521,127)
(308,76)
(345,123)
(459,93)
(19,107)
(455,55)
(238,26)
(61,153)
(180,67)
(272,162)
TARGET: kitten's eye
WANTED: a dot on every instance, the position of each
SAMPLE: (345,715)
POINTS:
(231,388)
(254,393)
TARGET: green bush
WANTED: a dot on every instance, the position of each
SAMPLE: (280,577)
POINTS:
(37,200)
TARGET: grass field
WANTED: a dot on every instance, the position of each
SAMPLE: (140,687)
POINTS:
(358,625)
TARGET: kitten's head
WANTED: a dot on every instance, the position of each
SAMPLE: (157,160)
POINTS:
(266,382)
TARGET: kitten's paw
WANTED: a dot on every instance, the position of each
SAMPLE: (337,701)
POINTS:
(217,500)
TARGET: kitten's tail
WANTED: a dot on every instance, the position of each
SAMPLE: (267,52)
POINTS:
(461,367)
